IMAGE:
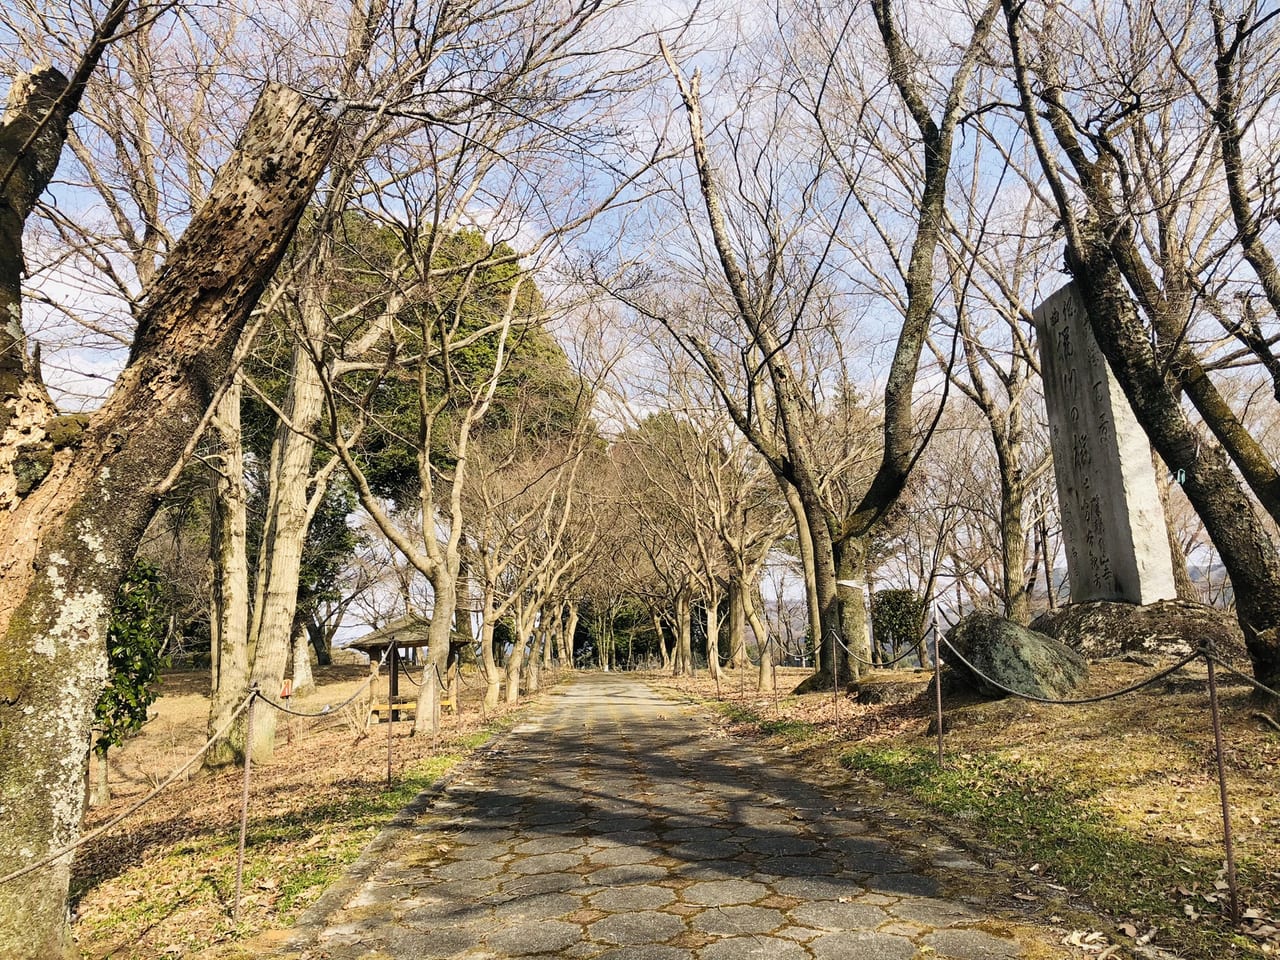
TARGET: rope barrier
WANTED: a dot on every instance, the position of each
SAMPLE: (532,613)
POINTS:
(99,831)
(910,652)
(329,709)
(1083,700)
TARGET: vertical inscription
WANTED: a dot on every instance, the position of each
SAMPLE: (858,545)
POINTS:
(1112,520)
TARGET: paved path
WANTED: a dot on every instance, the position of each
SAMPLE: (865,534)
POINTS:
(608,825)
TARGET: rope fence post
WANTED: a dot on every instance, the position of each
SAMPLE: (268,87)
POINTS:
(937,690)
(244,801)
(391,722)
(773,673)
(835,681)
(1228,847)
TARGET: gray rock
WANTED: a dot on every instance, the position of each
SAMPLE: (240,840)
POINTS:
(1012,655)
(1166,628)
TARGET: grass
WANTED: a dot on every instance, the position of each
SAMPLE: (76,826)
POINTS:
(1113,804)
(1035,818)
(289,860)
(784,728)
(166,886)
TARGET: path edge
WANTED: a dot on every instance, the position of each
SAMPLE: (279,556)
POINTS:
(306,928)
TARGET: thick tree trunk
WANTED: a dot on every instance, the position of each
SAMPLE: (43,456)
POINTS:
(229,583)
(805,542)
(532,669)
(492,675)
(835,668)
(766,679)
(1182,581)
(100,792)
(570,631)
(321,642)
(550,635)
(1013,540)
(851,565)
(661,635)
(439,634)
(31,137)
(515,668)
(65,547)
(682,664)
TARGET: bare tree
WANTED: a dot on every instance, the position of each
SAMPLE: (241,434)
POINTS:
(1142,324)
(72,529)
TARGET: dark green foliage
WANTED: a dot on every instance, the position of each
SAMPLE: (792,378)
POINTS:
(330,544)
(538,395)
(896,616)
(135,656)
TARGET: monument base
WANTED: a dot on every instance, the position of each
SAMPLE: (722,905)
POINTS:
(1166,628)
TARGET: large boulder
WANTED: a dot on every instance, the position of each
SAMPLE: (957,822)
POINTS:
(1012,655)
(1166,628)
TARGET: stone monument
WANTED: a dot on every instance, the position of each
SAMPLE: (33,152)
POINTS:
(1113,523)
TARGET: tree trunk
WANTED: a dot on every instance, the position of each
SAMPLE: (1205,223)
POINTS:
(101,792)
(570,629)
(809,566)
(515,665)
(66,546)
(515,662)
(36,109)
(532,670)
(1182,582)
(492,675)
(835,668)
(304,680)
(290,506)
(851,560)
(737,626)
(661,635)
(1013,539)
(321,642)
(712,605)
(229,582)
(765,681)
(550,631)
(445,604)
(683,662)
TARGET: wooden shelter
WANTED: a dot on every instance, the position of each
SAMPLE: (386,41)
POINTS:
(407,633)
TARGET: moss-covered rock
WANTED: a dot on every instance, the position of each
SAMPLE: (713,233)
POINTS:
(1013,656)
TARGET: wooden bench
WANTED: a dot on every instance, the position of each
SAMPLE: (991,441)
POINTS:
(405,704)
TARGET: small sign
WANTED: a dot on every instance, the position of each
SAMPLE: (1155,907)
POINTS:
(287,690)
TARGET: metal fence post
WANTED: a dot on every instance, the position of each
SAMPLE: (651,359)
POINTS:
(244,799)
(1227,846)
(937,688)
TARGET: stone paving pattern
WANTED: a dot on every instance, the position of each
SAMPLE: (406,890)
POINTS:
(611,825)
